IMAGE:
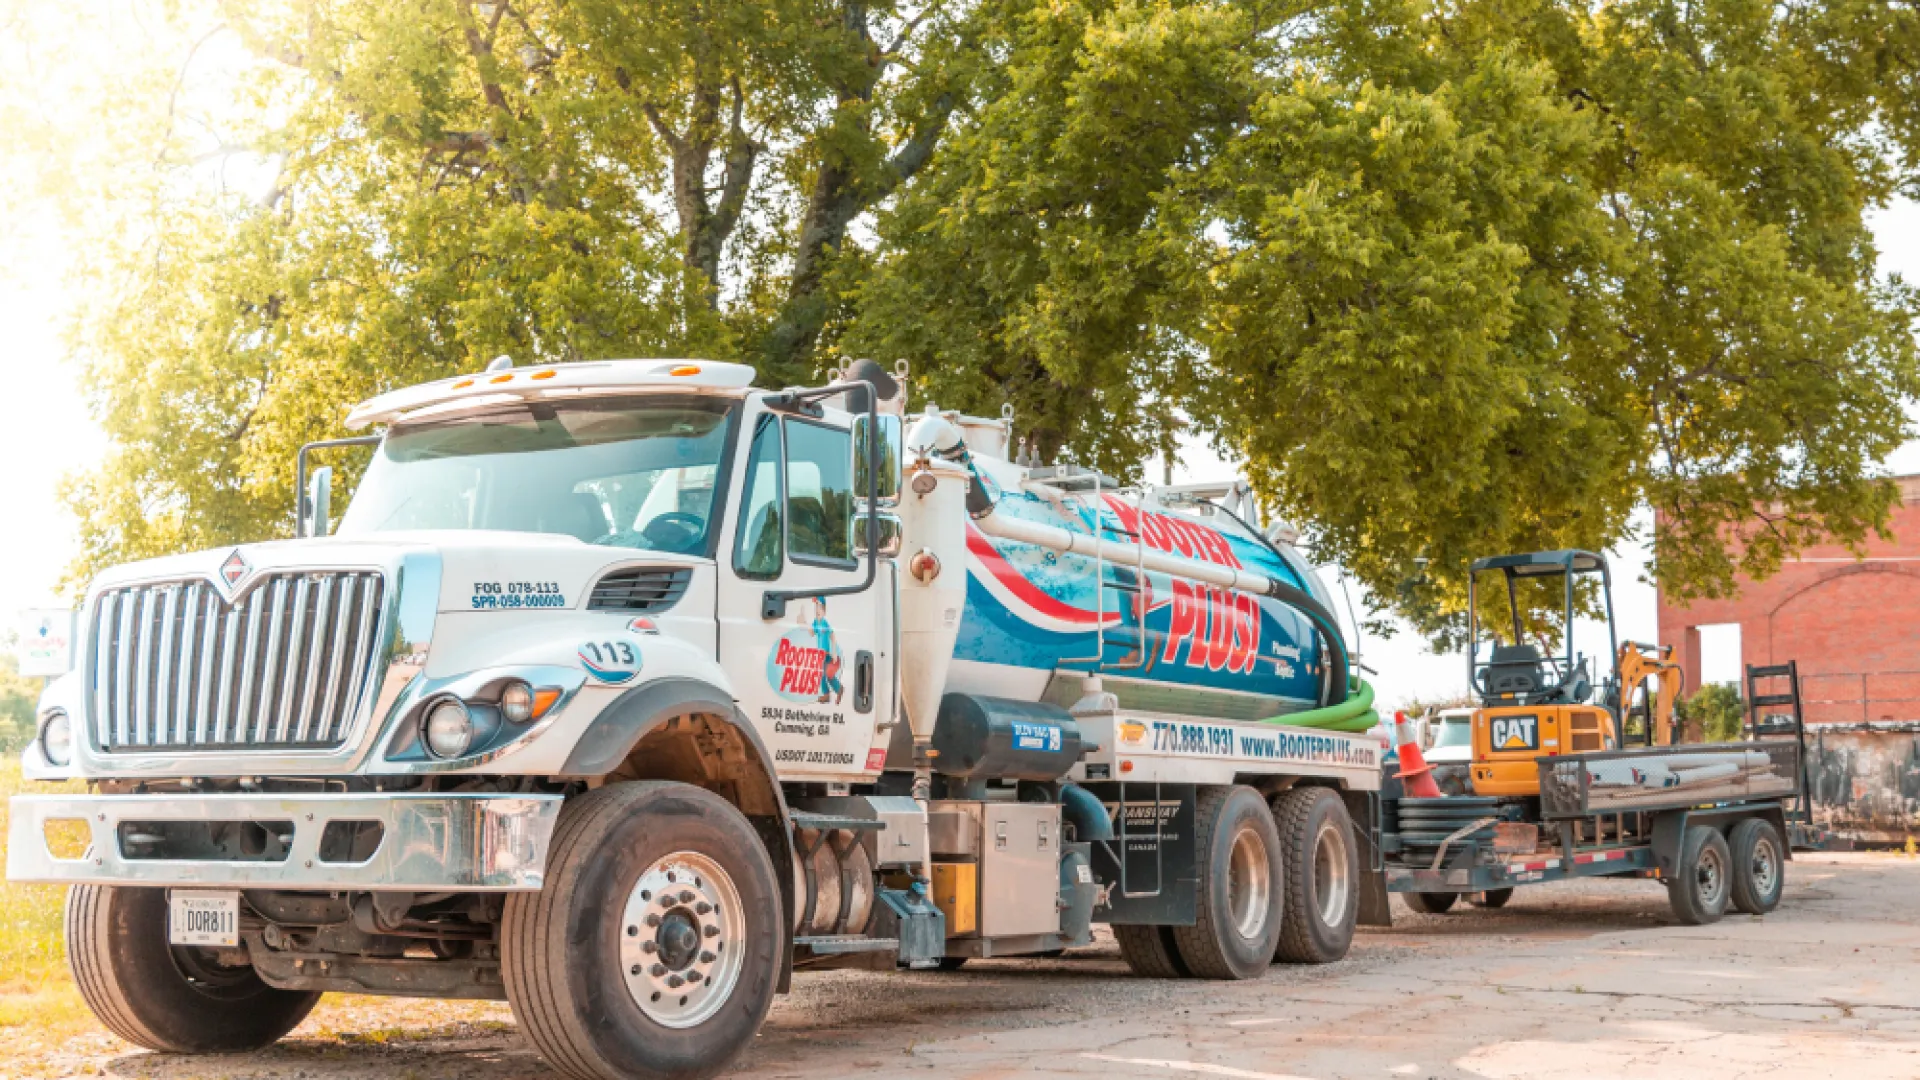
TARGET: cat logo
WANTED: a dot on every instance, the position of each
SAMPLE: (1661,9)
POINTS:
(1516,732)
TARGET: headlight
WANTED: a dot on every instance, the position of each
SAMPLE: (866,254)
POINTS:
(449,728)
(516,702)
(56,739)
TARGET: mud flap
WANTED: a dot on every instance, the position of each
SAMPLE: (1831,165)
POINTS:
(1374,908)
(1364,808)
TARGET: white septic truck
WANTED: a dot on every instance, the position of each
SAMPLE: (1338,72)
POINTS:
(622,690)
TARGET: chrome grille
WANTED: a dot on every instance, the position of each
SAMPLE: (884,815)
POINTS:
(174,667)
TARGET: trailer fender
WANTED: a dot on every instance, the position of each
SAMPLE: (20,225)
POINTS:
(1670,827)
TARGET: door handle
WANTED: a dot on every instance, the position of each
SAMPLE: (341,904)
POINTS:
(863,681)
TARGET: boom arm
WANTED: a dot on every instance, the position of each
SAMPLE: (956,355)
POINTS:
(1638,660)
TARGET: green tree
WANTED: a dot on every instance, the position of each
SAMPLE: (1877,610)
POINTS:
(1716,711)
(1452,279)
(18,697)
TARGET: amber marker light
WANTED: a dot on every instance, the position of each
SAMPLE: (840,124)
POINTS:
(686,369)
(543,700)
(463,384)
(543,375)
(501,379)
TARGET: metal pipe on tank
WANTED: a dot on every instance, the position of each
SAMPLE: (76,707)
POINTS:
(934,437)
(1074,543)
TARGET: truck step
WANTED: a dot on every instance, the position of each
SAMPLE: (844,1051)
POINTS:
(848,943)
(803,820)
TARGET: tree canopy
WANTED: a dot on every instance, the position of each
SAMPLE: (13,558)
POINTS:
(1452,278)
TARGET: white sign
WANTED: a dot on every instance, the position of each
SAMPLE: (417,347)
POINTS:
(45,647)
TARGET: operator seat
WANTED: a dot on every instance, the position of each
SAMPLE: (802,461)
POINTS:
(1513,669)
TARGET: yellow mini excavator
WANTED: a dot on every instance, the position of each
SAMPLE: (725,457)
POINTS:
(1534,705)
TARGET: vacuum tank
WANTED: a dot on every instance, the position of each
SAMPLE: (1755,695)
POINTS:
(1036,619)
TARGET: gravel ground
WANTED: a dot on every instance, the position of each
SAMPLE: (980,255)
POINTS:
(1574,980)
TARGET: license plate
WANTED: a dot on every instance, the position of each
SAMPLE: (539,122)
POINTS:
(203,918)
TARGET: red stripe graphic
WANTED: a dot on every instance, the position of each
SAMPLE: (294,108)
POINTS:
(1026,591)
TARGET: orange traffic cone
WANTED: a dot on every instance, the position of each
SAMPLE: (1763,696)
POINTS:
(1414,770)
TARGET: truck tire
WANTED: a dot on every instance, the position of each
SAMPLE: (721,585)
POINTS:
(1759,869)
(1241,888)
(1150,952)
(174,1000)
(1699,888)
(653,948)
(1430,903)
(1492,899)
(1321,904)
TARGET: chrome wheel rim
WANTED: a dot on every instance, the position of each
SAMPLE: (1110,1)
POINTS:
(1332,882)
(1710,875)
(1249,883)
(681,939)
(1766,867)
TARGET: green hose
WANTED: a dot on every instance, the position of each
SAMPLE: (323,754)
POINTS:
(1355,714)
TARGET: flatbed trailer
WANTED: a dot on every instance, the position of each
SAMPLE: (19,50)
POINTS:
(1718,845)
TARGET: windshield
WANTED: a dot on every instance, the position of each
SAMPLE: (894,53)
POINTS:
(1453,731)
(631,473)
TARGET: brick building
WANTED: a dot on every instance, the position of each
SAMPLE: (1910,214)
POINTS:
(1853,626)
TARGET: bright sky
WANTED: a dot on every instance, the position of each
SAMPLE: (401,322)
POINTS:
(48,433)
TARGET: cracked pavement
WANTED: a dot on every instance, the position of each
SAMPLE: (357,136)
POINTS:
(1588,979)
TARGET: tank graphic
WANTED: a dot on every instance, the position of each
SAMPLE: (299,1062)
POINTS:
(1031,607)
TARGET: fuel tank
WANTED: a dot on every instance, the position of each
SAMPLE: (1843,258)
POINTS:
(1036,619)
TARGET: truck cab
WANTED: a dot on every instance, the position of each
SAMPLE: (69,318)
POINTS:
(622,690)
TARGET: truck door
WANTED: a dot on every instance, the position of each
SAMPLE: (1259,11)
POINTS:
(817,680)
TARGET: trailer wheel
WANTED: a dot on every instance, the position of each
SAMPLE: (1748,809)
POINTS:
(1492,899)
(1759,871)
(1322,900)
(653,947)
(162,997)
(1150,952)
(1241,889)
(1699,889)
(1430,903)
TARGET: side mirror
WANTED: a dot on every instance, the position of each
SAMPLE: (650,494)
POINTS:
(887,484)
(886,523)
(319,498)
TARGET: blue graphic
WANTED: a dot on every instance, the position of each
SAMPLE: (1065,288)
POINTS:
(1033,607)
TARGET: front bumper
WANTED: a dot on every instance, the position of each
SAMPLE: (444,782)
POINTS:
(428,843)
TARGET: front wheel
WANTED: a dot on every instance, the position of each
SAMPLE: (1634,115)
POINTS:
(653,947)
(164,997)
(1492,899)
(1698,890)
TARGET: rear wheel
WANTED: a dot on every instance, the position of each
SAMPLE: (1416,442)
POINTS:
(1492,898)
(1700,887)
(1240,889)
(165,997)
(1322,898)
(1759,866)
(1150,952)
(653,947)
(1430,903)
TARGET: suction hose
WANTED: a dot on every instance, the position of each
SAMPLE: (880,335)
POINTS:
(1356,714)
